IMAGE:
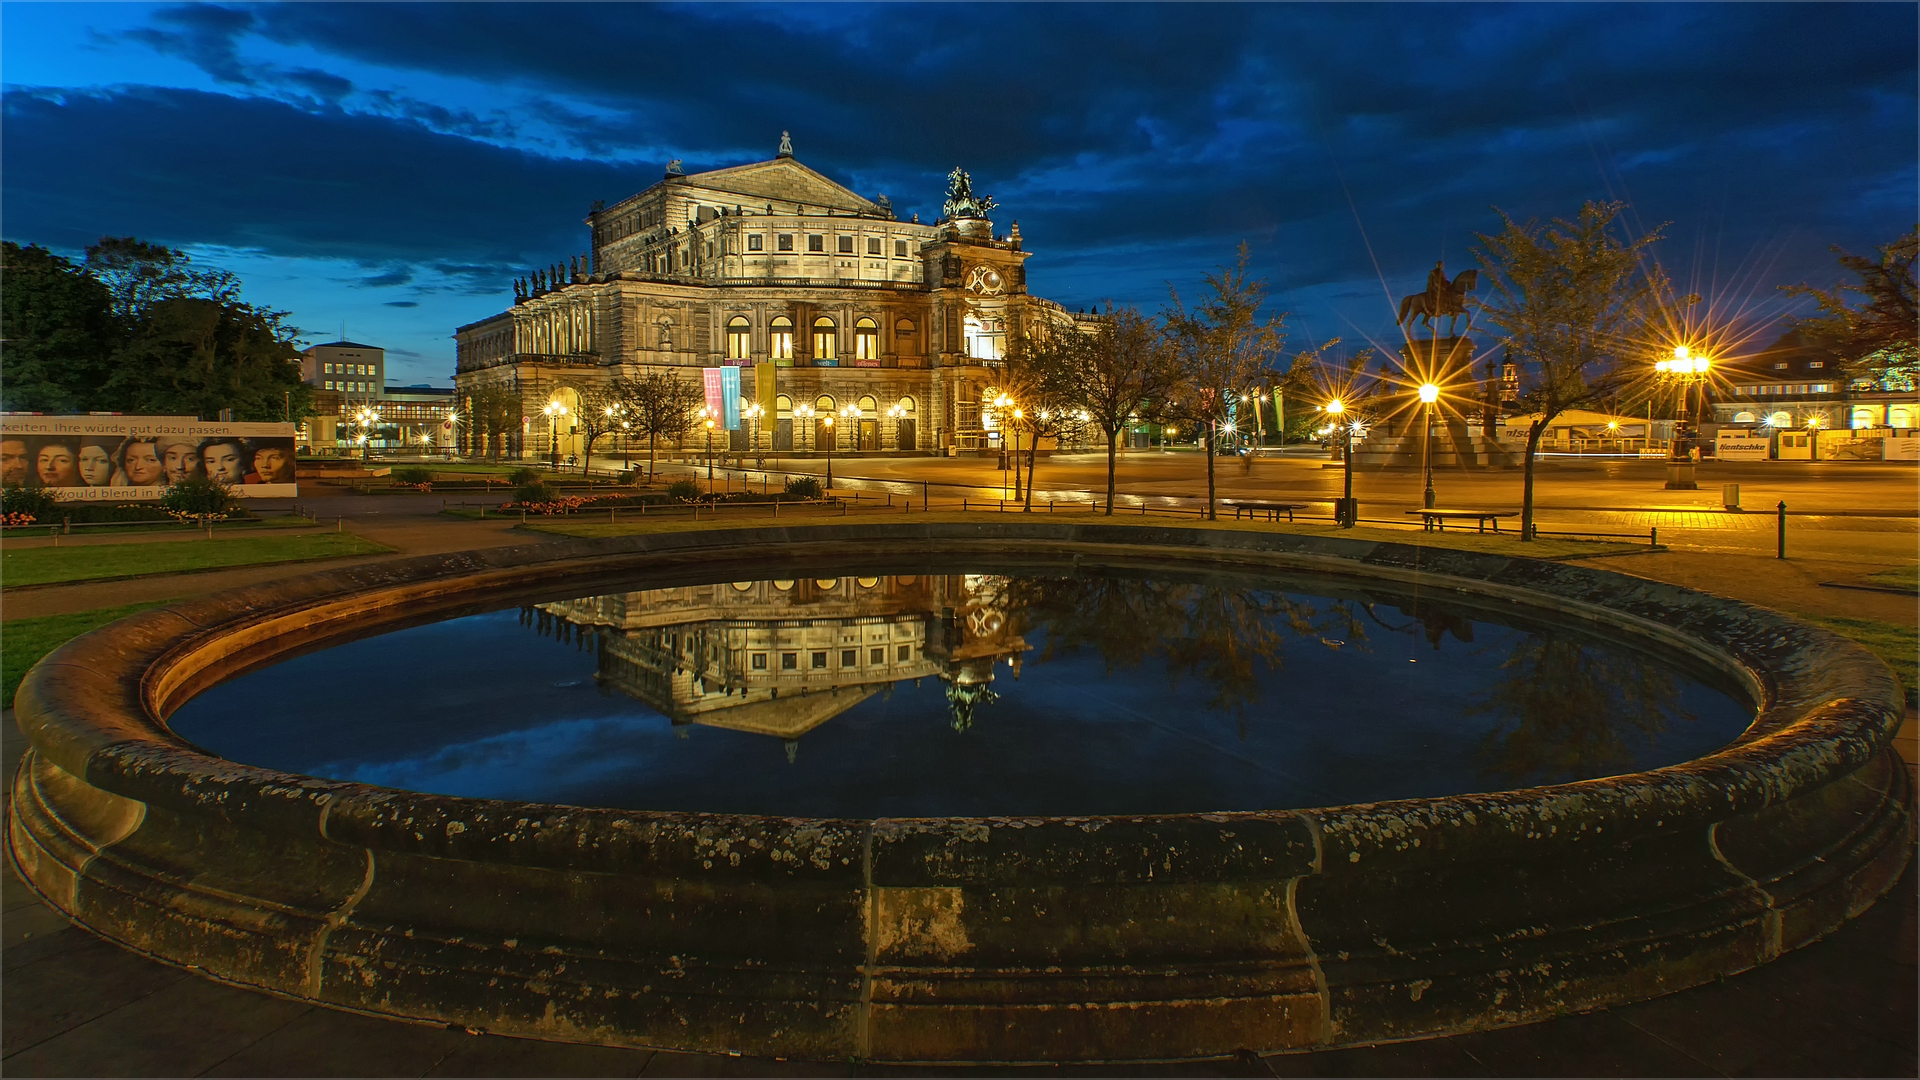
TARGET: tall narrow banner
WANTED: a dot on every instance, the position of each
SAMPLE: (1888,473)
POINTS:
(730,397)
(765,390)
(716,394)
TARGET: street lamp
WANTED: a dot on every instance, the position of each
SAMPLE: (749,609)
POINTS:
(1686,369)
(1017,486)
(709,455)
(753,413)
(1346,514)
(1429,393)
(827,422)
(554,411)
(852,414)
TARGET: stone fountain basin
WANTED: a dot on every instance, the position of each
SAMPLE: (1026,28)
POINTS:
(957,939)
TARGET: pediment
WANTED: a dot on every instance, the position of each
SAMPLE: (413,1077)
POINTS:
(781,179)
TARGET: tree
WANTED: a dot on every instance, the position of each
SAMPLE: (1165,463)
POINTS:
(139,274)
(601,411)
(1219,347)
(1124,375)
(1039,376)
(1879,340)
(1568,299)
(657,404)
(493,416)
(60,333)
(191,356)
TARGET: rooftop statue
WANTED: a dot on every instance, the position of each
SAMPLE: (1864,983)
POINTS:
(961,202)
(786,145)
(1441,298)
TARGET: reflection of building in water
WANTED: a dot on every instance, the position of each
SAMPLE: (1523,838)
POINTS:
(783,657)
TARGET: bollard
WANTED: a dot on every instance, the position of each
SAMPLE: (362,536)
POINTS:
(1653,536)
(339,524)
(1783,530)
(923,495)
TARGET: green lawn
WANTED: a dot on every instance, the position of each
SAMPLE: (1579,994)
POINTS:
(47,565)
(1898,645)
(24,641)
(585,525)
(1907,577)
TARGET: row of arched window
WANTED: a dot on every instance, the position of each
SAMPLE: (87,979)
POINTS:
(826,338)
(825,405)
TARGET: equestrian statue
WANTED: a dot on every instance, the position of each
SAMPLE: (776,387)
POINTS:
(1441,298)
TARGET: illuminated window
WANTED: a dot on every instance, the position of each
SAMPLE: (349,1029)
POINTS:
(846,245)
(866,340)
(780,340)
(824,339)
(739,337)
(756,242)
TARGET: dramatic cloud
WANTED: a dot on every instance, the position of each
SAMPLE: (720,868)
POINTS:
(441,148)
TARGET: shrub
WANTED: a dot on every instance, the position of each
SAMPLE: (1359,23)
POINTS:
(523,476)
(197,495)
(535,490)
(412,474)
(684,490)
(804,487)
(25,505)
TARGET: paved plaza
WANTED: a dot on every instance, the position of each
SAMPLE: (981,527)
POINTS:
(76,1005)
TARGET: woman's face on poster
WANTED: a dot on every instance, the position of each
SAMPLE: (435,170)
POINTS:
(273,464)
(57,466)
(225,463)
(96,466)
(142,464)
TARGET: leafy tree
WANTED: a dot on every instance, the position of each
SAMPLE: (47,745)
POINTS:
(657,404)
(195,357)
(60,333)
(1569,300)
(139,275)
(1039,376)
(1569,712)
(1879,340)
(601,412)
(493,417)
(1220,346)
(1125,374)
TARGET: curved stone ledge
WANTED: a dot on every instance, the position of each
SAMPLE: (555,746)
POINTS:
(990,939)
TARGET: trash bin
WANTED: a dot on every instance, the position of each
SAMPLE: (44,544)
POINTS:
(1730,496)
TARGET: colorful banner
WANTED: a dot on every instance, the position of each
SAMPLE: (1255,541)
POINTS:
(766,387)
(107,458)
(730,397)
(716,405)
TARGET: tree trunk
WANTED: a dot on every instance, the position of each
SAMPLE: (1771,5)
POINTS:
(653,442)
(1033,452)
(586,458)
(1212,513)
(1113,453)
(1526,484)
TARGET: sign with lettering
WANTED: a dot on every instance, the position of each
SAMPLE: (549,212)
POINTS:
(110,458)
(1741,446)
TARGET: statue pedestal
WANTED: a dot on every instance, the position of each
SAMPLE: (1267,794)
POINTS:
(1680,475)
(1437,358)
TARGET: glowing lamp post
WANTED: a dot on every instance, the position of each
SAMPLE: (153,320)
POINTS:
(827,422)
(1688,370)
(554,411)
(709,424)
(1345,513)
(1429,393)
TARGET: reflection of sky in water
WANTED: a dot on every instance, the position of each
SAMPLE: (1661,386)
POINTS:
(485,707)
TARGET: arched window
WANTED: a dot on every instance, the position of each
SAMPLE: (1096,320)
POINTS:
(780,341)
(868,405)
(739,338)
(782,407)
(824,339)
(866,340)
(908,405)
(823,404)
(904,340)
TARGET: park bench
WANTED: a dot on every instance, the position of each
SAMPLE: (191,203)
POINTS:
(1254,509)
(1438,518)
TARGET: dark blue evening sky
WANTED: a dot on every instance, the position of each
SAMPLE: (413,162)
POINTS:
(393,167)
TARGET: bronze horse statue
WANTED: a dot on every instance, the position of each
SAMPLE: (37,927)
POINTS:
(1441,298)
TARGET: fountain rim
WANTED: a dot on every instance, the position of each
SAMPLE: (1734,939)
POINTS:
(100,719)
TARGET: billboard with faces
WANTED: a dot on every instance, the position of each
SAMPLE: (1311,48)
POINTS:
(112,458)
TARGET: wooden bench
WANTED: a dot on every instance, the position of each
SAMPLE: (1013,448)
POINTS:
(1254,509)
(1438,517)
